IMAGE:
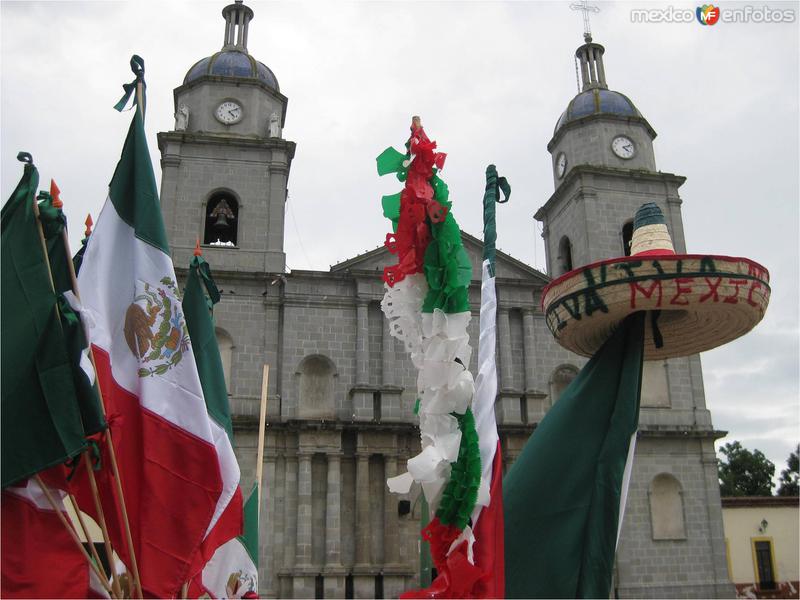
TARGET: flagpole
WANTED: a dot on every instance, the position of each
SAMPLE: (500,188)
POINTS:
(89,539)
(109,551)
(103,527)
(109,441)
(71,268)
(71,531)
(262,425)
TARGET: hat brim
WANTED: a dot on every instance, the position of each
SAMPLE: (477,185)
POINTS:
(697,302)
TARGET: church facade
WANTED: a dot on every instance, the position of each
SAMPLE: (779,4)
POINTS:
(341,390)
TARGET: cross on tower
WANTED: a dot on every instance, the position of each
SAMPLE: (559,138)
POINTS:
(585,8)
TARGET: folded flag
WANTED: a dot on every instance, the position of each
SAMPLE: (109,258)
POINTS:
(562,497)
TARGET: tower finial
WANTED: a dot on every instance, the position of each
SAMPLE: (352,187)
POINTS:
(590,55)
(237,19)
(585,8)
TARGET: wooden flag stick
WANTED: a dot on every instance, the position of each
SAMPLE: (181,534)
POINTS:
(185,590)
(89,540)
(262,426)
(71,531)
(103,527)
(119,497)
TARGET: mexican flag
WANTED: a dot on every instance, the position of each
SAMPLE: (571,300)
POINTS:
(200,295)
(487,517)
(233,570)
(40,559)
(177,468)
(564,496)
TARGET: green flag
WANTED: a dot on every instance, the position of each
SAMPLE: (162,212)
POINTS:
(562,495)
(41,422)
(197,309)
(54,222)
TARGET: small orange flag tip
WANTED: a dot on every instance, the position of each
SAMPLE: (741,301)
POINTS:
(55,194)
(89,224)
(197,250)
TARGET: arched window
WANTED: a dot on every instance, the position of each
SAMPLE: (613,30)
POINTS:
(627,236)
(560,380)
(666,508)
(225,344)
(315,387)
(565,255)
(222,220)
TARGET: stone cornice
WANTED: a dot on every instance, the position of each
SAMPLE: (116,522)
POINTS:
(218,139)
(579,171)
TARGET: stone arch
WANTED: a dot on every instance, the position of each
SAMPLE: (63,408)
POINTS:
(560,379)
(666,508)
(315,387)
(225,345)
(221,218)
(565,255)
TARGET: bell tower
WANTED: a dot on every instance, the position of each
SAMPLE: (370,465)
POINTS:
(225,164)
(604,168)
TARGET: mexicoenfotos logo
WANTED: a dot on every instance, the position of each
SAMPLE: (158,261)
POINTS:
(708,14)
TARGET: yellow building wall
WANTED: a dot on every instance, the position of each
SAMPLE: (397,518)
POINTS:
(742,527)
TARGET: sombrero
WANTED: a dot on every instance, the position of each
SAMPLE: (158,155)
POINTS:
(695,301)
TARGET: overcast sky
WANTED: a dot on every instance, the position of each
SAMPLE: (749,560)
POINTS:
(490,80)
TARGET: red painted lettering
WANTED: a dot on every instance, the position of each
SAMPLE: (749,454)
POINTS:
(734,298)
(756,285)
(712,290)
(647,293)
(680,290)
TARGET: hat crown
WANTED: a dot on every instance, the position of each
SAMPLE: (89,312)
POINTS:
(650,233)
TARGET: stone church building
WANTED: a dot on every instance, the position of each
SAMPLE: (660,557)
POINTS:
(341,390)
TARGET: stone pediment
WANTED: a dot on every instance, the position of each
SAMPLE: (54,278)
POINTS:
(506,267)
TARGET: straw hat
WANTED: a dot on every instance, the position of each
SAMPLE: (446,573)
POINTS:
(695,301)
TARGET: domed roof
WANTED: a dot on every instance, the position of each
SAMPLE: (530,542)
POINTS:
(597,101)
(232,63)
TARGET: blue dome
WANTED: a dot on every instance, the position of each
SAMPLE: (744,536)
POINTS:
(232,63)
(597,101)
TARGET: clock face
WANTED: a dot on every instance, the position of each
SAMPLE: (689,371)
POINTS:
(561,164)
(623,147)
(229,112)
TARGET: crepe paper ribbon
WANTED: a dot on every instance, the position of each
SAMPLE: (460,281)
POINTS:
(427,306)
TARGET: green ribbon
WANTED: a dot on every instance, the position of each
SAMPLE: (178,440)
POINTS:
(52,218)
(137,66)
(204,270)
(494,185)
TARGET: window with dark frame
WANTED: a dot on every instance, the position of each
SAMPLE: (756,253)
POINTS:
(766,571)
(221,221)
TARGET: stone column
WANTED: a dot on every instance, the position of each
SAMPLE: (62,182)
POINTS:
(362,342)
(333,540)
(362,535)
(267,573)
(390,526)
(334,572)
(504,339)
(303,554)
(290,523)
(529,346)
(387,355)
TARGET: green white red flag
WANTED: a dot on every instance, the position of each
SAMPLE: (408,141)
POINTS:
(177,466)
(564,496)
(40,559)
(233,570)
